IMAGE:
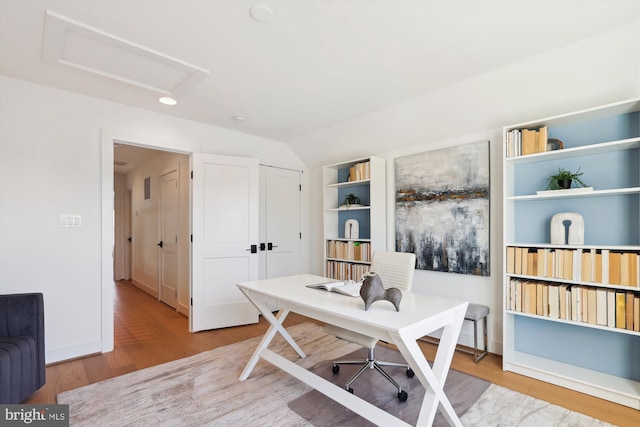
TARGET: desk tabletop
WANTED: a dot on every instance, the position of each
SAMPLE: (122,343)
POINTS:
(292,292)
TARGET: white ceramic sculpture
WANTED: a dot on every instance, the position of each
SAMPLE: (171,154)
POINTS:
(351,229)
(559,231)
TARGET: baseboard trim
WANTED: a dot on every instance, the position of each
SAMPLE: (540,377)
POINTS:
(148,289)
(72,352)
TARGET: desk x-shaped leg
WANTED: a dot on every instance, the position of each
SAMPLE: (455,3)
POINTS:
(433,378)
(276,326)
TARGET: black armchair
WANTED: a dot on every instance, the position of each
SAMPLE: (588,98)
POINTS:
(22,364)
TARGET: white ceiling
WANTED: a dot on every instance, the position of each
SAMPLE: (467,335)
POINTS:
(315,65)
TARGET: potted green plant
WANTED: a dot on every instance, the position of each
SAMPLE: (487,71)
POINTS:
(563,179)
(351,199)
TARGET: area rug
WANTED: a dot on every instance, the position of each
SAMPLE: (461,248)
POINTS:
(203,390)
(463,391)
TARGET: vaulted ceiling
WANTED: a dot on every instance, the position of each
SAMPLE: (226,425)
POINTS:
(282,69)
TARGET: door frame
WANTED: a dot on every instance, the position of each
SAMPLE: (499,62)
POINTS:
(108,138)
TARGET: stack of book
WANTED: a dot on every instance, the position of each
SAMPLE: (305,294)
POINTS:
(360,171)
(521,142)
(346,271)
(356,251)
(586,265)
(598,306)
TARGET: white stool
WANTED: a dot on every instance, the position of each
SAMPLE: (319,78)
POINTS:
(475,312)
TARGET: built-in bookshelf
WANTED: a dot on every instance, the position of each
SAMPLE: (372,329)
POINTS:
(572,311)
(354,216)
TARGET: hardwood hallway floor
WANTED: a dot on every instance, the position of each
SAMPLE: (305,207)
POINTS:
(149,333)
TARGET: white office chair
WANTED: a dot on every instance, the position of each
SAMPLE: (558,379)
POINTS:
(396,271)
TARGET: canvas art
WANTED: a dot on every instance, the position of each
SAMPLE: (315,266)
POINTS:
(442,208)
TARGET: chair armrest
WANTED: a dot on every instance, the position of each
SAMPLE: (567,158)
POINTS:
(23,315)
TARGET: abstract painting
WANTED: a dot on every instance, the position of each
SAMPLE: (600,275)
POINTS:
(442,208)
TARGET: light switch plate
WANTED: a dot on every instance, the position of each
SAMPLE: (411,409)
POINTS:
(70,220)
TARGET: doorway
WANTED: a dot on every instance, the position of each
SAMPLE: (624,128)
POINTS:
(151,216)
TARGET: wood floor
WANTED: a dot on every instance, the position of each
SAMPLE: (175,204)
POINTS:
(148,333)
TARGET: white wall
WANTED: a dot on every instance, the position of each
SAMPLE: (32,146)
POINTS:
(51,156)
(592,72)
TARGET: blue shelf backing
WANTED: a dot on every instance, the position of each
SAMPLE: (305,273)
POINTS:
(363,218)
(606,129)
(596,170)
(603,351)
(608,220)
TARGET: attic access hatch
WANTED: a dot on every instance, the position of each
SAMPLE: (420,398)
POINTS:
(73,44)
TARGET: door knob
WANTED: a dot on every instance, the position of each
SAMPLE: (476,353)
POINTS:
(160,244)
(270,246)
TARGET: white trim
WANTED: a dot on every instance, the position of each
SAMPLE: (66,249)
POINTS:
(108,139)
(59,354)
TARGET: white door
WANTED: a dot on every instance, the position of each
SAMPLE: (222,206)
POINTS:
(225,239)
(280,222)
(169,223)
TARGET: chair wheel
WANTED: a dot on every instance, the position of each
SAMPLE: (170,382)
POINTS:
(336,369)
(402,396)
(350,390)
(410,373)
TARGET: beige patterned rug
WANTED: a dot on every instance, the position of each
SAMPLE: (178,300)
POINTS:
(203,390)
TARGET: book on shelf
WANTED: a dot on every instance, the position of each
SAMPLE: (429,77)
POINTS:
(349,288)
(607,266)
(636,313)
(621,311)
(341,270)
(614,269)
(591,310)
(521,142)
(586,266)
(613,308)
(601,306)
(629,310)
(576,310)
(511,259)
(564,301)
(349,250)
(360,171)
(542,262)
(554,301)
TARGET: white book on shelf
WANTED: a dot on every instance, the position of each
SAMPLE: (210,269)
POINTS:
(601,306)
(554,302)
(577,264)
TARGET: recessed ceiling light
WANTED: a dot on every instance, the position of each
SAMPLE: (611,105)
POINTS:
(168,100)
(261,13)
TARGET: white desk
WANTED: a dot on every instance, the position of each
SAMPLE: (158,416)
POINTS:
(419,315)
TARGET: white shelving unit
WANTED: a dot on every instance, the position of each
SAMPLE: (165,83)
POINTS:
(370,215)
(605,143)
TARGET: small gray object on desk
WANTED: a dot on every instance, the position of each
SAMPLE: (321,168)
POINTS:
(372,291)
(475,312)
